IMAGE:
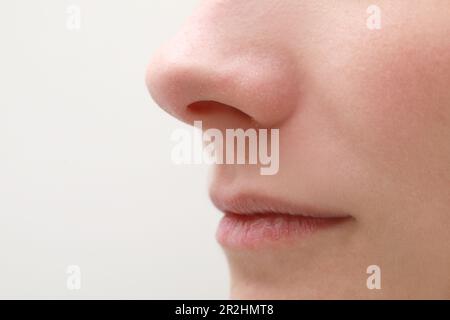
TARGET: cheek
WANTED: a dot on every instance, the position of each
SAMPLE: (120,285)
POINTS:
(387,106)
(396,96)
(390,86)
(405,90)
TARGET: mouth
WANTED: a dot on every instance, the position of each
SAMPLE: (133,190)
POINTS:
(252,221)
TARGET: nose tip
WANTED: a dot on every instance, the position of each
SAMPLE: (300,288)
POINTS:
(177,80)
(253,82)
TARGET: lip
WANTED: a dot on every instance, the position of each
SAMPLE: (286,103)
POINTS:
(253,221)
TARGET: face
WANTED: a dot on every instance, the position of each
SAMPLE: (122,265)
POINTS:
(364,141)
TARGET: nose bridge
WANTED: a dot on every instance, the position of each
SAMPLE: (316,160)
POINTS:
(246,70)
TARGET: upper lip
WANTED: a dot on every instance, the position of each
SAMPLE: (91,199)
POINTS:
(252,203)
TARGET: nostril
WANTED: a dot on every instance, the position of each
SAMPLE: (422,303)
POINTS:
(202,108)
(214,114)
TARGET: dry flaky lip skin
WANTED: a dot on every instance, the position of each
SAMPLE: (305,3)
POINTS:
(252,221)
(256,230)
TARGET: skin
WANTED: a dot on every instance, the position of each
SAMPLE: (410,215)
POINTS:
(364,119)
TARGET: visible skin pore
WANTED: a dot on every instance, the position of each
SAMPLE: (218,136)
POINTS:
(364,119)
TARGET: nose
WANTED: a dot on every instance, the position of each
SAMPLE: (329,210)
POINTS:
(226,72)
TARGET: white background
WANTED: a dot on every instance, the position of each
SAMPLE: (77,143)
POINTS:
(85,170)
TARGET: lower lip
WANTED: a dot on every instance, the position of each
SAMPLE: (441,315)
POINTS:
(254,230)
